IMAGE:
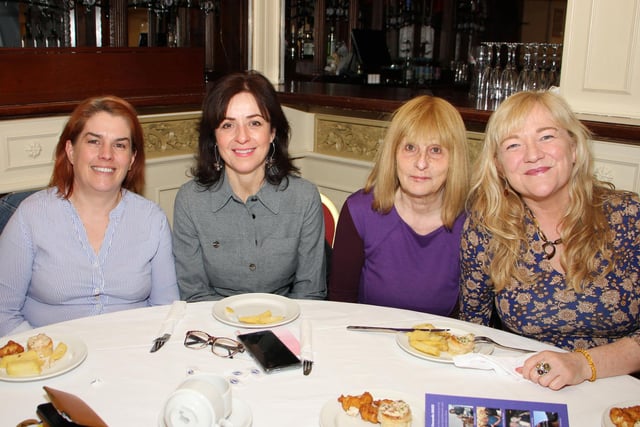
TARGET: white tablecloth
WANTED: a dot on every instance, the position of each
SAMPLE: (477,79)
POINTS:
(127,386)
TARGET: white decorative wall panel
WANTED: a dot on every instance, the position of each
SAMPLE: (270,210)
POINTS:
(601,58)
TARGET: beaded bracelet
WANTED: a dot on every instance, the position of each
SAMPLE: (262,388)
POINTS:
(592,365)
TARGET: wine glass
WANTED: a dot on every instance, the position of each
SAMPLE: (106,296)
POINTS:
(533,82)
(509,76)
(495,87)
(543,76)
(478,71)
(485,73)
(554,72)
(522,84)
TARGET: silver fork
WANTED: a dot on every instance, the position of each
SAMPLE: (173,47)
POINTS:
(159,342)
(306,366)
(306,352)
(487,340)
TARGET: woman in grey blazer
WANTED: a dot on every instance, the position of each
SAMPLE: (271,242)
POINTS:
(247,222)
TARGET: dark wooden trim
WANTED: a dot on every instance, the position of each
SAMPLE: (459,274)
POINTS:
(41,81)
(379,102)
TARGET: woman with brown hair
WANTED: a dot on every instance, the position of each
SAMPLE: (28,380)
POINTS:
(247,222)
(88,244)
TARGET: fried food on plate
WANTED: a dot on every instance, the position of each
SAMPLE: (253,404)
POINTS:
(25,355)
(625,417)
(373,411)
(24,368)
(435,343)
(264,318)
(10,348)
(40,354)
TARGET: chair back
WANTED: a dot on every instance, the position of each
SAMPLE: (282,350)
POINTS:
(9,203)
(330,218)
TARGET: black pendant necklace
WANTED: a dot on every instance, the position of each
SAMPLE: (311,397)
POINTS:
(548,247)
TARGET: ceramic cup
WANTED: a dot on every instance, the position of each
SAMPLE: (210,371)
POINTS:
(203,400)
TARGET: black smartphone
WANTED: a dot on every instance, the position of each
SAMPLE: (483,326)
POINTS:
(269,351)
(50,417)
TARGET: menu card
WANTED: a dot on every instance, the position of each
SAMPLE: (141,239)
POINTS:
(461,411)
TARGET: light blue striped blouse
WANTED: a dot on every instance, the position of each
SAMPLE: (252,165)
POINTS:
(50,273)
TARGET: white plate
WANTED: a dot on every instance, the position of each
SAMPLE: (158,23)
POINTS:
(403,341)
(332,414)
(75,355)
(253,304)
(606,421)
(241,415)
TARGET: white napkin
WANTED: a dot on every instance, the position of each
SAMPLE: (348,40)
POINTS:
(503,365)
(306,349)
(176,312)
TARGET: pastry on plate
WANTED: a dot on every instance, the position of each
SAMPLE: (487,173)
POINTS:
(625,417)
(394,413)
(41,344)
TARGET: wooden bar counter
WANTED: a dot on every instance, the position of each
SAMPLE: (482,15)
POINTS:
(378,102)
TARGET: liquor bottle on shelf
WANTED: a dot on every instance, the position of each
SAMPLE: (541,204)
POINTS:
(406,36)
(308,44)
(331,48)
(292,48)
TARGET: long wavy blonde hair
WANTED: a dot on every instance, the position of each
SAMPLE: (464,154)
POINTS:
(422,118)
(499,208)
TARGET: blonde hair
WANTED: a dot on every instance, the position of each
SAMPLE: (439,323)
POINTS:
(495,205)
(421,118)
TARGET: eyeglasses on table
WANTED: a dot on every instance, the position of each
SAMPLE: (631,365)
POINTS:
(220,346)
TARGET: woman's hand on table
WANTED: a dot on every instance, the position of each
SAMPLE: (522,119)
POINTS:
(556,370)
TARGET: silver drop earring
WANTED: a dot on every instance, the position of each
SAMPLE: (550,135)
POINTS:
(217,165)
(272,168)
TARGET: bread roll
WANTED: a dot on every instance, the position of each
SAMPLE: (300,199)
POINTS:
(42,344)
(394,413)
(460,344)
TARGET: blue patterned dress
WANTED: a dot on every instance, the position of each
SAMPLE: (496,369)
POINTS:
(547,310)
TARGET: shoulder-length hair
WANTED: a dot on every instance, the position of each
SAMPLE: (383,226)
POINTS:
(496,205)
(63,176)
(214,109)
(422,118)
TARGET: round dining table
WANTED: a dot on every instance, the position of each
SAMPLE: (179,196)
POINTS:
(127,385)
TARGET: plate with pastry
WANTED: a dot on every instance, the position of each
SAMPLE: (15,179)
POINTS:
(623,414)
(367,408)
(256,310)
(440,346)
(40,356)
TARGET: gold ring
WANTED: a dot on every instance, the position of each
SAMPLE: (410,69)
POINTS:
(542,368)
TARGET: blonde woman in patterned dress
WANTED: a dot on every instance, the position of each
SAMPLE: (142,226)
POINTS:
(550,248)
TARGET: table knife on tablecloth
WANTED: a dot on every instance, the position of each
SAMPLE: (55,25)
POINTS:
(388,329)
(175,314)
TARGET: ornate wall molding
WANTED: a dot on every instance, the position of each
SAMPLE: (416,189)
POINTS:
(169,136)
(352,138)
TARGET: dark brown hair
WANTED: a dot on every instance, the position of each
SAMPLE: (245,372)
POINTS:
(214,109)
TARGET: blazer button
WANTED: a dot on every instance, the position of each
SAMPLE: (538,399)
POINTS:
(215,244)
(252,267)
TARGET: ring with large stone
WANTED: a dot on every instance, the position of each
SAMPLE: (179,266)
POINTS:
(542,368)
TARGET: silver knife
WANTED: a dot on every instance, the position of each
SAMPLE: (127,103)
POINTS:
(175,314)
(385,329)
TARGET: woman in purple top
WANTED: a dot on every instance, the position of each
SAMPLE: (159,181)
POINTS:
(398,240)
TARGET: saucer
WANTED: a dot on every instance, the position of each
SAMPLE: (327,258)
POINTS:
(240,415)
